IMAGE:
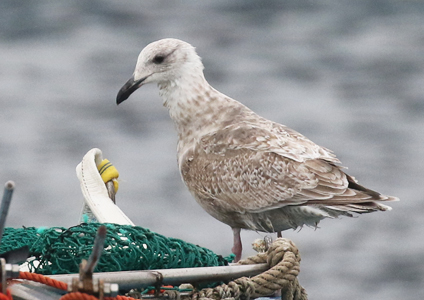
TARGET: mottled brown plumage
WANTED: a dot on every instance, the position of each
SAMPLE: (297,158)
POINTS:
(244,170)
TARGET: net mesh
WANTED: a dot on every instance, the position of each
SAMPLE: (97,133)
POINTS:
(59,250)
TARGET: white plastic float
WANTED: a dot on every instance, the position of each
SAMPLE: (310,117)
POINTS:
(97,204)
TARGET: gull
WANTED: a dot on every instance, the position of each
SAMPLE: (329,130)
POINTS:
(244,170)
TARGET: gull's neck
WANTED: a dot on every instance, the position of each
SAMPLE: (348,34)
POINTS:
(197,108)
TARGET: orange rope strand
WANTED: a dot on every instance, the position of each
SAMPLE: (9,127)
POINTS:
(44,279)
(119,297)
(78,296)
(82,296)
(7,296)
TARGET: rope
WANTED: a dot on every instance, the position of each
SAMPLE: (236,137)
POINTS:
(7,296)
(119,297)
(283,259)
(78,296)
(83,296)
(43,279)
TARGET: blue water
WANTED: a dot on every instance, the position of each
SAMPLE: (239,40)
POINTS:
(347,74)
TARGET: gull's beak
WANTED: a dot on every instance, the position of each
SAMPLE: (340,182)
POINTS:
(130,87)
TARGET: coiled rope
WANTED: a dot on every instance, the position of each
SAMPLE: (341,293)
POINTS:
(284,266)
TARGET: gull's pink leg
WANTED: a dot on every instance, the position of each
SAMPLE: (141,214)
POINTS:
(237,247)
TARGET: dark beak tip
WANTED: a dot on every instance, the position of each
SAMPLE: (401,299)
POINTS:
(120,98)
(129,87)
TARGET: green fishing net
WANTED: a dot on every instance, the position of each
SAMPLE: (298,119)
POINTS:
(59,250)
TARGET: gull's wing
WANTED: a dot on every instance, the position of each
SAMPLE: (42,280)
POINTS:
(244,167)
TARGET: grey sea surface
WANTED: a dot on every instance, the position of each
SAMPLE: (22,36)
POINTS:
(349,75)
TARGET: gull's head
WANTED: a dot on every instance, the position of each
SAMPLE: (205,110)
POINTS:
(164,61)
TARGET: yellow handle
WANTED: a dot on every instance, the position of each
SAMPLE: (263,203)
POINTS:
(108,173)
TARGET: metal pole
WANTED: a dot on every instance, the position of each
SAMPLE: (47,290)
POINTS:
(98,247)
(5,203)
(139,279)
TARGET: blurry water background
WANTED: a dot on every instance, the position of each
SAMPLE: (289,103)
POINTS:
(347,74)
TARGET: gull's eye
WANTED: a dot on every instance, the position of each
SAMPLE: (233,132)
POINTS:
(158,59)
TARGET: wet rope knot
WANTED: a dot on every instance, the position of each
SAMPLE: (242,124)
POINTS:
(283,259)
